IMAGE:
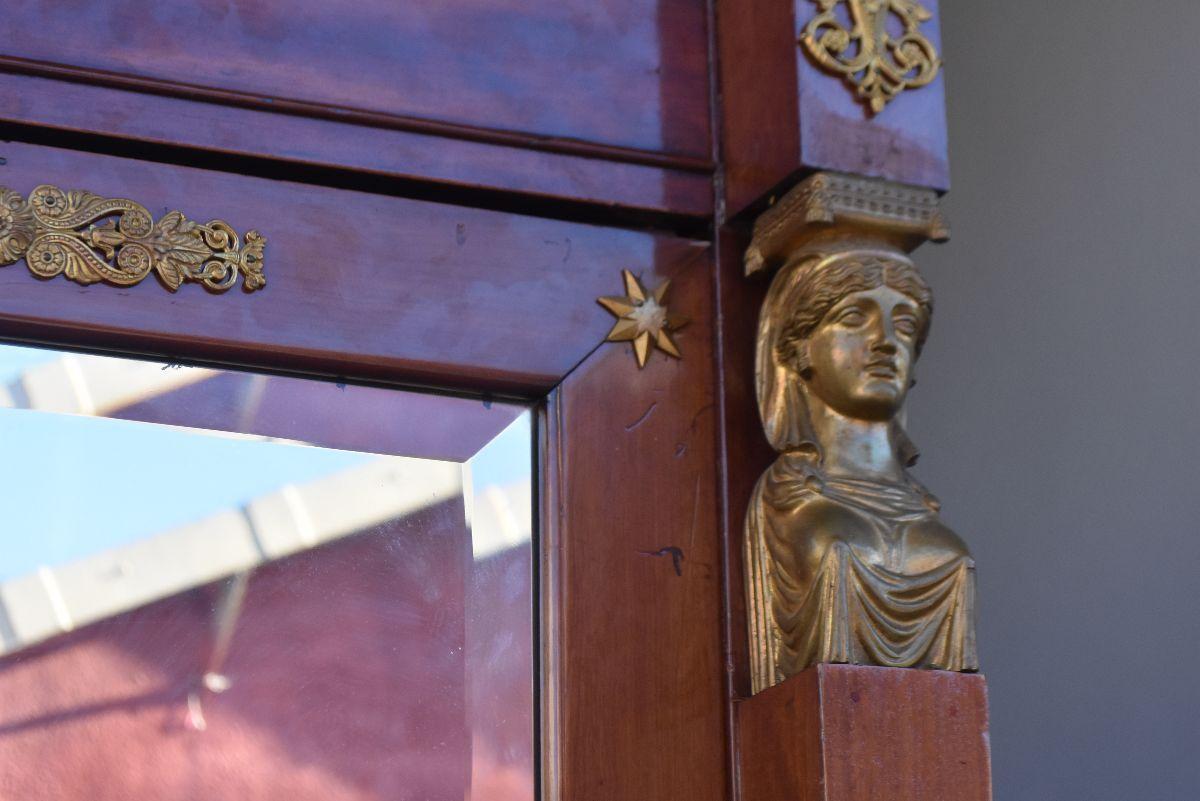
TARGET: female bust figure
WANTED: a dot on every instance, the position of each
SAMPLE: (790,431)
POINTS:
(847,560)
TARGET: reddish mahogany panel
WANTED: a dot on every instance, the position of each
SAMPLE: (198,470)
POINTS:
(746,453)
(628,73)
(759,141)
(807,119)
(357,284)
(905,142)
(848,732)
(633,571)
(297,139)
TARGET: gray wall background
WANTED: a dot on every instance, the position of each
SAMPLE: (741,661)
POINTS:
(1058,397)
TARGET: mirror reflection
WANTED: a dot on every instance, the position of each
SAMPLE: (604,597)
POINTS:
(225,585)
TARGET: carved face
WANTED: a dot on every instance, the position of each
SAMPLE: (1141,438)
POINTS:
(860,355)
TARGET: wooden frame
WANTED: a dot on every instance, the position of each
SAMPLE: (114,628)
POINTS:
(631,565)
(483,291)
(463,249)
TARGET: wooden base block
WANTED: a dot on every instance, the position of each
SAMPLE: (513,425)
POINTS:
(850,733)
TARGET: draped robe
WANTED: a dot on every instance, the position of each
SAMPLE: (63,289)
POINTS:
(853,571)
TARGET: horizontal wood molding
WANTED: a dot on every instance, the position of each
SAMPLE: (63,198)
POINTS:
(587,175)
(346,114)
(358,285)
(629,76)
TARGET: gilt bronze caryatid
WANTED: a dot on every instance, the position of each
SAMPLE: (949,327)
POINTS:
(847,559)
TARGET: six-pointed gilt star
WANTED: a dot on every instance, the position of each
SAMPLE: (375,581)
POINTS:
(642,318)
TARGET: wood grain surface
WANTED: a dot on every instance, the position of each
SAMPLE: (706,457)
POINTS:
(624,73)
(760,144)
(847,733)
(632,567)
(358,285)
(294,140)
(745,451)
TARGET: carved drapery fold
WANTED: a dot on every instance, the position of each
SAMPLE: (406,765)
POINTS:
(859,606)
(846,557)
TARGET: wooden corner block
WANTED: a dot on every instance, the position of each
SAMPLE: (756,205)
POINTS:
(851,733)
(799,94)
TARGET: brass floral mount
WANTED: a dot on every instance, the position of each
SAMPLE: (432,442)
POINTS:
(643,319)
(57,231)
(878,65)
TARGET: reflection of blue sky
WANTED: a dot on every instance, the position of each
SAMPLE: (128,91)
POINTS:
(506,459)
(74,485)
(15,360)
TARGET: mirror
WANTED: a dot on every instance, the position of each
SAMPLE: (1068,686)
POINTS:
(219,584)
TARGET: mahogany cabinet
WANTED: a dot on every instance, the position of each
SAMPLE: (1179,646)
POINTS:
(446,188)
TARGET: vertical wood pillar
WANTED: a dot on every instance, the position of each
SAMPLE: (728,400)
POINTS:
(833,732)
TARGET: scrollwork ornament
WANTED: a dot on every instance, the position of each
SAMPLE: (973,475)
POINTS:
(877,64)
(17,226)
(89,238)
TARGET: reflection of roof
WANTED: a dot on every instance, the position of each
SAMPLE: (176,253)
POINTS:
(83,384)
(54,600)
